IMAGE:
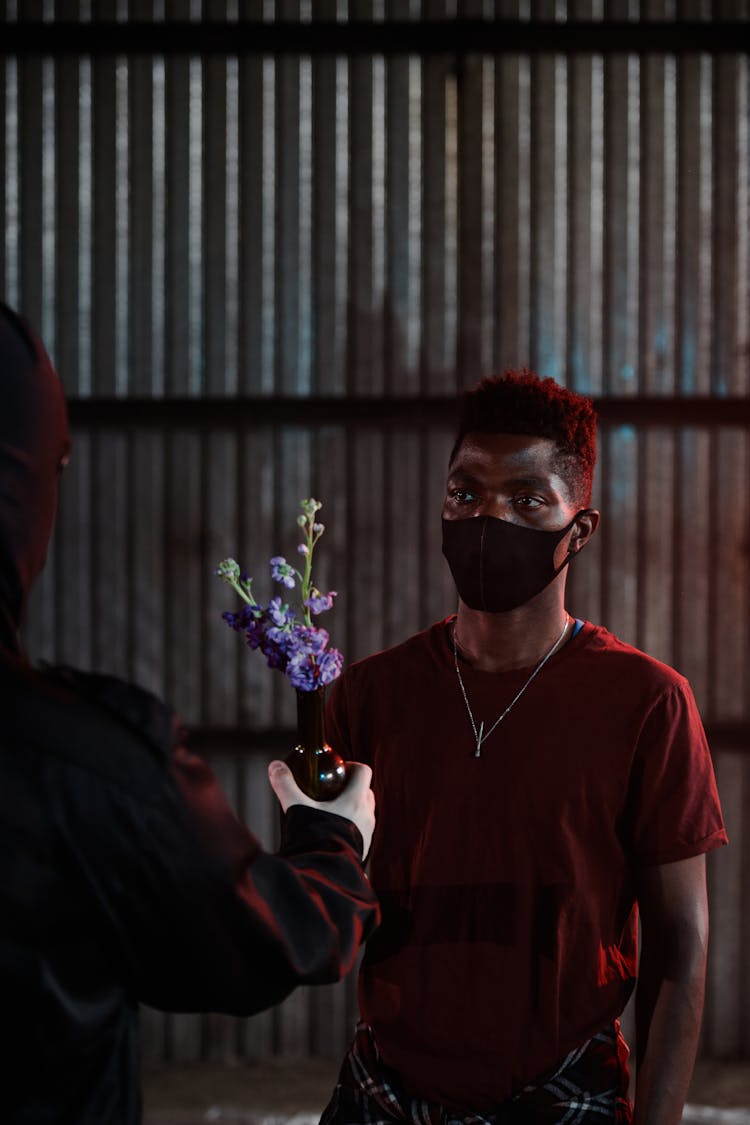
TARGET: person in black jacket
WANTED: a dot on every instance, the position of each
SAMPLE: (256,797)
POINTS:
(124,875)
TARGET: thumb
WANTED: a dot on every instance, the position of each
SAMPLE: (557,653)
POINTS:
(284,785)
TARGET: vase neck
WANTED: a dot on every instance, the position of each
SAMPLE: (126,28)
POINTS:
(311,718)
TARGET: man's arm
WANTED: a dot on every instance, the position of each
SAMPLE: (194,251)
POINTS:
(671,979)
(200,917)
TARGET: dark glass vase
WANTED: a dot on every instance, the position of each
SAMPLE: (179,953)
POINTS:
(319,772)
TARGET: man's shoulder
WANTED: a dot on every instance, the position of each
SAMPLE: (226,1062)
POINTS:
(631,666)
(398,659)
(96,723)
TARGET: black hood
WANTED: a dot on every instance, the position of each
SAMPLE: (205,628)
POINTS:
(33,444)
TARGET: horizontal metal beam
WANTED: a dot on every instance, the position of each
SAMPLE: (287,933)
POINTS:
(389,37)
(407,413)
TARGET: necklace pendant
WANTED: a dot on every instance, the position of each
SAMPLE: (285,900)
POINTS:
(478,751)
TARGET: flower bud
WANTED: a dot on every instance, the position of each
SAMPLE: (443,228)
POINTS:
(228,569)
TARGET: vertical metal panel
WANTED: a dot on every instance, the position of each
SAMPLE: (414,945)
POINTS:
(67,230)
(740,347)
(469,350)
(621,223)
(693,285)
(256,543)
(82,377)
(142,378)
(11,183)
(436,363)
(581,359)
(396,310)
(104,260)
(177,307)
(694,576)
(147,594)
(621,503)
(327,373)
(547,188)
(287,256)
(656,563)
(219,521)
(112,554)
(214,305)
(366,534)
(438,593)
(511,187)
(184,562)
(404,571)
(250,219)
(728,874)
(292,482)
(30,156)
(725,182)
(362,319)
(658,210)
(73,572)
(5,65)
(730,603)
(587,584)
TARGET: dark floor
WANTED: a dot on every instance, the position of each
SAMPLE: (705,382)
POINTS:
(277,1091)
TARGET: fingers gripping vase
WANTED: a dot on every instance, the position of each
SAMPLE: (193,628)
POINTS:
(319,772)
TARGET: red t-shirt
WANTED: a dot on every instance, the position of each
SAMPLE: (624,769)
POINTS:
(507,881)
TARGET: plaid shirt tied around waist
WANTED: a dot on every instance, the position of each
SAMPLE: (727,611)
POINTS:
(368,1093)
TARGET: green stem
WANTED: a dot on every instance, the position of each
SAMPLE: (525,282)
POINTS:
(236,587)
(306,580)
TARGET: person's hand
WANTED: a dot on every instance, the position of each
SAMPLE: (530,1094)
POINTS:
(356,802)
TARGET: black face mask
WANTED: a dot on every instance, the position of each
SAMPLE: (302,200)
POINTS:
(498,565)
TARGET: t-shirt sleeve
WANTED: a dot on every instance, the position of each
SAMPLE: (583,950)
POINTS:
(673,809)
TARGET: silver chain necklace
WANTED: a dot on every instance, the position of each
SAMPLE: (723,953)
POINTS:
(479,734)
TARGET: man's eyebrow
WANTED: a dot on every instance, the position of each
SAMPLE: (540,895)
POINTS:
(528,482)
(464,477)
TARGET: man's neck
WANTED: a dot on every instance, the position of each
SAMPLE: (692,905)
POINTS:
(500,642)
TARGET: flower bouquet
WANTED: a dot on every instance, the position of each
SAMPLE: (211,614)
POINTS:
(300,650)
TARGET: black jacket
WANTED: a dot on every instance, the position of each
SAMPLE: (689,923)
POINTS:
(124,875)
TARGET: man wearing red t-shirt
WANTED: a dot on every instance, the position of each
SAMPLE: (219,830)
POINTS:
(539,782)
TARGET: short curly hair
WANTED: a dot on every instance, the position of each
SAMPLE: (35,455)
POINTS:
(519,402)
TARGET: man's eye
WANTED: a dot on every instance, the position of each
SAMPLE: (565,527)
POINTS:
(462,496)
(530,503)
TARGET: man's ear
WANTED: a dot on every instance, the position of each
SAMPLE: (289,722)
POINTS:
(586,524)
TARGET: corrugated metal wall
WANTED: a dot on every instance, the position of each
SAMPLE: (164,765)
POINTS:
(207,241)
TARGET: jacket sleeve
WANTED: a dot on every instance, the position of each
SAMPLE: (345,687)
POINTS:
(204,919)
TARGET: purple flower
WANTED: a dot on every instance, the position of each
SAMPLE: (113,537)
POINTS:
(309,639)
(303,671)
(296,647)
(241,619)
(330,664)
(319,603)
(254,633)
(275,656)
(281,615)
(282,572)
